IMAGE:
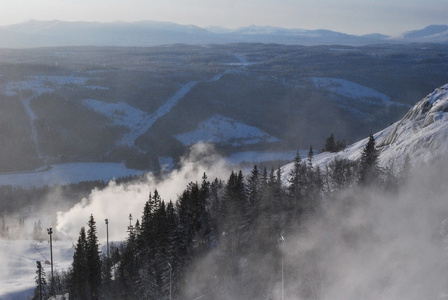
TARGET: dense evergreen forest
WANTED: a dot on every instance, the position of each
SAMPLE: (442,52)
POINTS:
(222,239)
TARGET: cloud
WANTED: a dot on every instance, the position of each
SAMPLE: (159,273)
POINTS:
(117,201)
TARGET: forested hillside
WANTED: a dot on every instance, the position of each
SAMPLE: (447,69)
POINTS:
(146,105)
(253,237)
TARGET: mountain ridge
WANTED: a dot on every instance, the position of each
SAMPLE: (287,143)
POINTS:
(33,33)
(422,134)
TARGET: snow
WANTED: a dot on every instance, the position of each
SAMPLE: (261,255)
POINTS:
(135,119)
(122,114)
(32,116)
(422,134)
(139,121)
(221,130)
(41,84)
(261,156)
(349,89)
(18,259)
(69,173)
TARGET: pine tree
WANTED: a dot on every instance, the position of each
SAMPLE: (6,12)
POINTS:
(93,260)
(41,290)
(79,279)
(342,173)
(330,145)
(310,157)
(38,233)
(368,166)
(405,170)
(235,199)
(296,188)
(128,267)
(252,205)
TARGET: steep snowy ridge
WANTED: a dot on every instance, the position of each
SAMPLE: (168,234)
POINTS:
(422,134)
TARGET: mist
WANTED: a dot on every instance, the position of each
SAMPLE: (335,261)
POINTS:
(117,201)
(363,243)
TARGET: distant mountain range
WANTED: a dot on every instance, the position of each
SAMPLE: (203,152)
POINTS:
(150,33)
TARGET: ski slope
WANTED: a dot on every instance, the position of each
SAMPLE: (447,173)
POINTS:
(221,130)
(422,134)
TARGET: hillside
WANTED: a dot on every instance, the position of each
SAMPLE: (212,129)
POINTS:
(145,106)
(422,134)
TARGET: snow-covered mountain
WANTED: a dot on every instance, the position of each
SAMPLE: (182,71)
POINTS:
(432,33)
(422,134)
(149,33)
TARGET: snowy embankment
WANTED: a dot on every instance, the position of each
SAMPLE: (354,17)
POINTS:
(222,130)
(18,259)
(353,90)
(422,134)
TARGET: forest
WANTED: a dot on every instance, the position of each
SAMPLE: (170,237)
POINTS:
(226,239)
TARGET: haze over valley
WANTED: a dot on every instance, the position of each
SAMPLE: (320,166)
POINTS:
(252,163)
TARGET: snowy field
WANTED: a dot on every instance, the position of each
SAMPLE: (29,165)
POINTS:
(258,156)
(222,130)
(41,84)
(350,89)
(69,173)
(18,259)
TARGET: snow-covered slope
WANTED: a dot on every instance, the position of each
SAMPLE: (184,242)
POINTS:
(422,134)
(222,130)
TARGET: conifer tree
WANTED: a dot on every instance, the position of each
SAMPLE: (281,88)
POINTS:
(234,210)
(253,200)
(405,170)
(368,166)
(93,260)
(79,280)
(310,157)
(41,290)
(296,187)
(330,144)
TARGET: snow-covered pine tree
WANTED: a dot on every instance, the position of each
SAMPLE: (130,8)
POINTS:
(79,286)
(41,290)
(93,260)
(368,166)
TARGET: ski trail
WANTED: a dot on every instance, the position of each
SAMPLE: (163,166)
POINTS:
(147,122)
(33,118)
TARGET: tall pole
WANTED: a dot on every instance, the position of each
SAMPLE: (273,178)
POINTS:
(50,232)
(107,237)
(283,248)
(170,279)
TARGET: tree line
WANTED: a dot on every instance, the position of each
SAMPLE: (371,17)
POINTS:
(221,239)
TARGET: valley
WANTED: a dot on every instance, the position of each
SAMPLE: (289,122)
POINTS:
(89,129)
(141,105)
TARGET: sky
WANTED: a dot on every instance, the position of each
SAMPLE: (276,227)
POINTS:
(390,17)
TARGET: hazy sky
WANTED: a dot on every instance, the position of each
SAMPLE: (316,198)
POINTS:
(351,16)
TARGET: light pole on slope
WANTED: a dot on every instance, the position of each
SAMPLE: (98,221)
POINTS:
(107,238)
(50,232)
(282,239)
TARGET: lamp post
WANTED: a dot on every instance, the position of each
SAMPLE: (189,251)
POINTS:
(282,239)
(107,237)
(50,232)
(170,278)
